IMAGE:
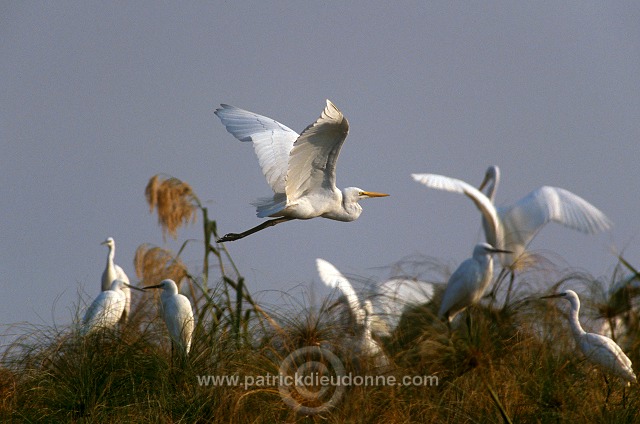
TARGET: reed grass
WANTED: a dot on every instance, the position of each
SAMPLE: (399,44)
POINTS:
(515,364)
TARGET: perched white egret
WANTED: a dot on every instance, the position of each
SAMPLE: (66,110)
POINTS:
(513,227)
(467,284)
(388,300)
(598,349)
(301,169)
(106,310)
(177,314)
(115,272)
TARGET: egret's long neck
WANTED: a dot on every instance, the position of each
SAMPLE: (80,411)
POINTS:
(574,320)
(351,207)
(110,256)
(488,262)
(492,187)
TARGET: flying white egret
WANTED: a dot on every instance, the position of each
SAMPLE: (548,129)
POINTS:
(115,272)
(599,350)
(390,299)
(106,310)
(513,227)
(467,284)
(177,314)
(301,169)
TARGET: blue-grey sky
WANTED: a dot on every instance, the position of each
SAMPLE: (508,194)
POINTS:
(96,97)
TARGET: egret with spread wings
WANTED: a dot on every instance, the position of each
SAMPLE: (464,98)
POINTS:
(513,227)
(300,168)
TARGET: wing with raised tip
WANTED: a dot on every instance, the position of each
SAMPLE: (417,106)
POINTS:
(272,141)
(312,163)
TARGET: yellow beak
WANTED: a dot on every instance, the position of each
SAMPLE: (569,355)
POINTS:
(373,194)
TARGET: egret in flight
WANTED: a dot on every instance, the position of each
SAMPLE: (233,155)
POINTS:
(106,310)
(300,168)
(513,227)
(467,284)
(115,272)
(387,303)
(599,350)
(177,314)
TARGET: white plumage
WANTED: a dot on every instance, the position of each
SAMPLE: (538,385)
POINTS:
(106,310)
(388,300)
(177,314)
(468,282)
(513,227)
(598,349)
(115,272)
(301,169)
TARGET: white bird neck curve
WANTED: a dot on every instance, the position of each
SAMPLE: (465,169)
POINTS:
(493,180)
(350,199)
(111,255)
(574,319)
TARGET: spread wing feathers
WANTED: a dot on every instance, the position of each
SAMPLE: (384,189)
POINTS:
(267,206)
(394,296)
(482,202)
(312,163)
(522,220)
(397,294)
(272,141)
(333,278)
(606,353)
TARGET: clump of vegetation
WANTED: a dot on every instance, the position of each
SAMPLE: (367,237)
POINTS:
(516,363)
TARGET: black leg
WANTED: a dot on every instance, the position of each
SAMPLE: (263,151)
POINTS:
(266,224)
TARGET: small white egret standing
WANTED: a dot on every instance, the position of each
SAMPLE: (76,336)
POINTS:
(513,227)
(467,284)
(300,168)
(115,272)
(106,310)
(599,350)
(177,314)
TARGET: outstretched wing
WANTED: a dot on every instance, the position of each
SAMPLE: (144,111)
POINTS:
(312,163)
(482,202)
(272,141)
(394,296)
(333,278)
(525,218)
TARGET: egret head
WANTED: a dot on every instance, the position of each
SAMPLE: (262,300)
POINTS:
(482,249)
(169,286)
(118,285)
(355,194)
(491,178)
(570,295)
(567,294)
(109,242)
